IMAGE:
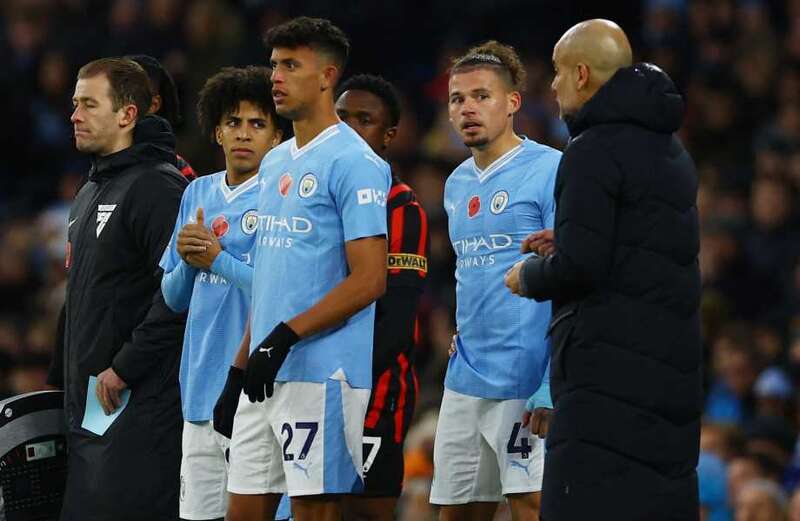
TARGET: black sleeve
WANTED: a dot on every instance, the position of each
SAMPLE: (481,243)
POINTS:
(394,329)
(407,266)
(153,201)
(408,247)
(55,374)
(584,231)
(157,337)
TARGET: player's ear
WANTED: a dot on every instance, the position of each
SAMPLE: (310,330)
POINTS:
(330,75)
(218,134)
(277,138)
(155,104)
(389,135)
(514,102)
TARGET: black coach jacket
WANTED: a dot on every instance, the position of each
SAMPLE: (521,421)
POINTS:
(625,333)
(119,225)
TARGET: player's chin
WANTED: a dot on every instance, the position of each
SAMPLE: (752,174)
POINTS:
(244,165)
(284,110)
(475,141)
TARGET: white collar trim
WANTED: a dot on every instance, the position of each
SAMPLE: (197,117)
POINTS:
(229,194)
(322,136)
(497,164)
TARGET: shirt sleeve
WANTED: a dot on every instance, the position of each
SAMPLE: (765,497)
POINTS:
(177,282)
(153,204)
(542,397)
(234,270)
(584,229)
(359,188)
(177,286)
(407,261)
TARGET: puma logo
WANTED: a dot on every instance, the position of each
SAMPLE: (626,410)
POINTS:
(515,463)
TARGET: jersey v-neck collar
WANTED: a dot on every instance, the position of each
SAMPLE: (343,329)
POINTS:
(229,194)
(322,136)
(497,164)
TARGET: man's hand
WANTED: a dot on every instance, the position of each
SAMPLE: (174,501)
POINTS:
(539,421)
(228,401)
(512,279)
(265,362)
(541,243)
(109,385)
(452,350)
(197,245)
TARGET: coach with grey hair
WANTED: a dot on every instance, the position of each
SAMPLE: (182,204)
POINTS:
(623,276)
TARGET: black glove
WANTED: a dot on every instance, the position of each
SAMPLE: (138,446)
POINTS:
(266,361)
(225,408)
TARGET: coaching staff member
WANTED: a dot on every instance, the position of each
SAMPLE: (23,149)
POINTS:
(624,281)
(115,329)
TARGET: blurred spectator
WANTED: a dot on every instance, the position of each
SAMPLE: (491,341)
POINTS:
(712,478)
(725,441)
(794,506)
(736,365)
(773,391)
(761,500)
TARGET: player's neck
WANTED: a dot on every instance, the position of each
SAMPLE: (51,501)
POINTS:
(488,154)
(322,117)
(233,178)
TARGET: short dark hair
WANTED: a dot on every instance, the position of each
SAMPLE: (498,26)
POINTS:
(129,82)
(494,55)
(378,86)
(223,91)
(319,34)
(162,84)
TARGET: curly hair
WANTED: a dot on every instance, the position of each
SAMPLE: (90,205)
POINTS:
(378,86)
(223,91)
(317,33)
(497,56)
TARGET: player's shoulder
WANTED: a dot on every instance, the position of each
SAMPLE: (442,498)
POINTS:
(280,152)
(535,151)
(466,169)
(531,151)
(347,146)
(203,184)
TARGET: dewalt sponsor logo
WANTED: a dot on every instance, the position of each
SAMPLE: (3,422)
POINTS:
(407,261)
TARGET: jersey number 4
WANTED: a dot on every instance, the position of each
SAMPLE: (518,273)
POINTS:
(524,448)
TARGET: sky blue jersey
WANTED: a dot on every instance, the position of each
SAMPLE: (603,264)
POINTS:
(312,201)
(501,350)
(218,300)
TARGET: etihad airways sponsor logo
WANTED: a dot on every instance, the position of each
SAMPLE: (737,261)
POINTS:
(492,242)
(284,227)
(479,251)
(290,224)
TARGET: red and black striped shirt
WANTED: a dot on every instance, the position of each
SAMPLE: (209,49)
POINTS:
(394,386)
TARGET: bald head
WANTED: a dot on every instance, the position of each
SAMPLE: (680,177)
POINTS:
(588,55)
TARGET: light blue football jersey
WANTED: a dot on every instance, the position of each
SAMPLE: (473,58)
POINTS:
(502,350)
(312,201)
(218,300)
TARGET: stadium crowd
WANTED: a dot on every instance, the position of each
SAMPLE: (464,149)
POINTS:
(737,63)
